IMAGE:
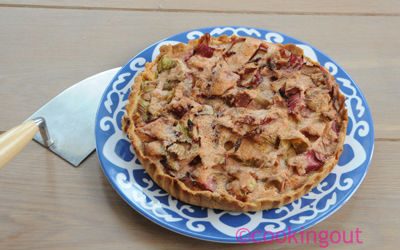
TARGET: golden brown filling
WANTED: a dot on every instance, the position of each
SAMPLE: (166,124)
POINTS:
(238,116)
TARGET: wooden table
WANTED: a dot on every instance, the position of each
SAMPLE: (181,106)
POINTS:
(48,45)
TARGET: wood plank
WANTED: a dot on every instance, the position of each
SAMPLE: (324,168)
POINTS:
(46,51)
(349,7)
(46,204)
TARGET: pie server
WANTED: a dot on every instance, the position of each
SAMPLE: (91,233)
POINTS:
(66,123)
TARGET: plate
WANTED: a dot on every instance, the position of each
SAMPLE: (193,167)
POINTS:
(127,176)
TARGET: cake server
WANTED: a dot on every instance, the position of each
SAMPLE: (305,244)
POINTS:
(66,123)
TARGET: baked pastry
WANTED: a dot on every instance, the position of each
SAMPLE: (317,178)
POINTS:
(236,123)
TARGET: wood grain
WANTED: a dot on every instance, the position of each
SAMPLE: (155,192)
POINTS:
(302,7)
(49,50)
(46,46)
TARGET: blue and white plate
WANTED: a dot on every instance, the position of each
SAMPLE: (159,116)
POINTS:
(128,178)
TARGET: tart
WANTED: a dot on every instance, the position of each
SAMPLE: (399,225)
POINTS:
(236,123)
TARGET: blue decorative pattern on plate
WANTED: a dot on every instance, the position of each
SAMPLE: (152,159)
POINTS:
(129,179)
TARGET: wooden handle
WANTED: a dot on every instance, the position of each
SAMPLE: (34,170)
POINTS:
(14,140)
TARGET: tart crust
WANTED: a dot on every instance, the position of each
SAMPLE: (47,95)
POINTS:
(206,198)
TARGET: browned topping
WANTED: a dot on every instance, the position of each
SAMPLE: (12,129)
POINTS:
(238,116)
(242,99)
